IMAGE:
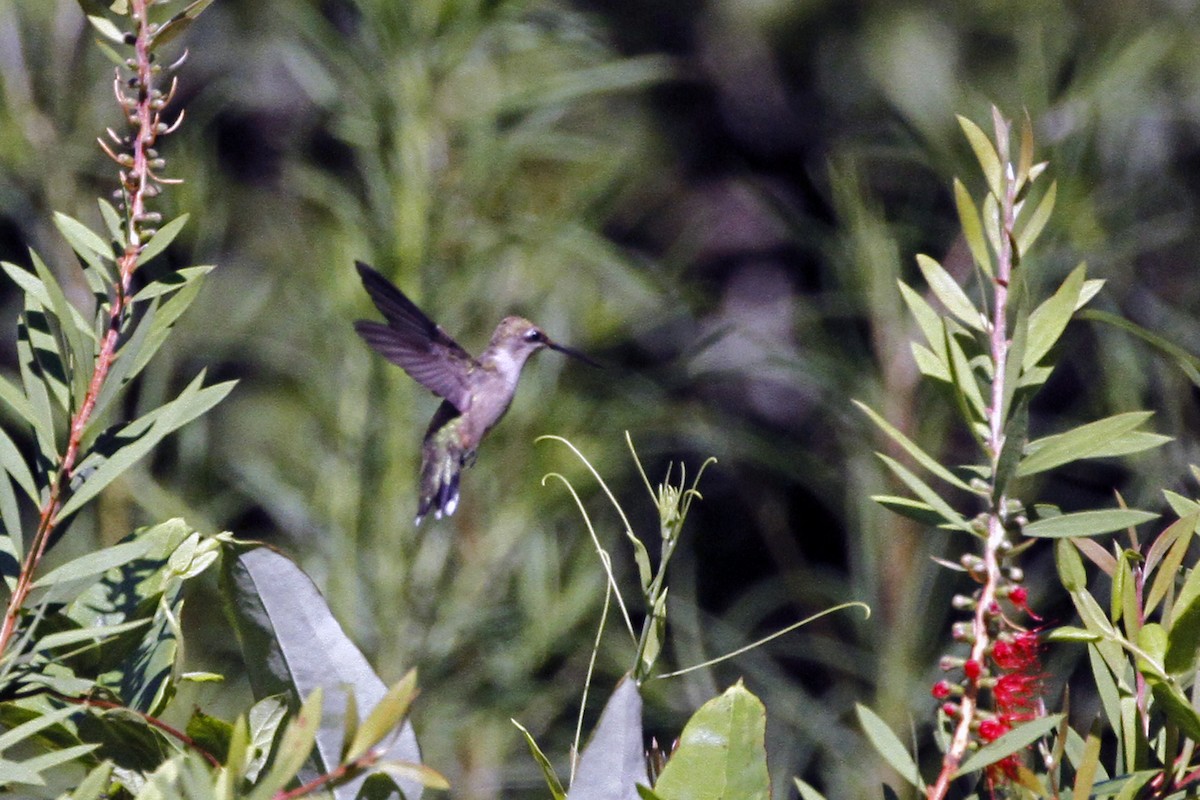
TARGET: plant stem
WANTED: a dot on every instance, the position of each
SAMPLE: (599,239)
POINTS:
(996,533)
(137,185)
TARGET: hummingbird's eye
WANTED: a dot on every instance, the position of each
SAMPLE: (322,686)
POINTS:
(534,335)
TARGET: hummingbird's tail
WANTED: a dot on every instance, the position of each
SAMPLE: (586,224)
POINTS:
(443,458)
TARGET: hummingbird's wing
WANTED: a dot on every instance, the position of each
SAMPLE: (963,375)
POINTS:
(414,342)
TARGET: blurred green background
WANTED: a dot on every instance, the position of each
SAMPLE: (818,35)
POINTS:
(715,199)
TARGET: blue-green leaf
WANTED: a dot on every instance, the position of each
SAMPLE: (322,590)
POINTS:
(951,295)
(1101,438)
(1033,228)
(924,459)
(161,240)
(968,216)
(985,152)
(1017,739)
(888,745)
(1088,523)
(926,494)
(1049,320)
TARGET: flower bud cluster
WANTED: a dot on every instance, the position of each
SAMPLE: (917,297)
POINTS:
(1005,683)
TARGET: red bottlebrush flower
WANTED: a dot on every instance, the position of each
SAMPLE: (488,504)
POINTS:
(1016,694)
(1018,654)
(992,729)
(972,669)
(1019,597)
(941,690)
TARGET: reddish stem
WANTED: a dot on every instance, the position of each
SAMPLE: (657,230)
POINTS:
(135,185)
(337,773)
(149,720)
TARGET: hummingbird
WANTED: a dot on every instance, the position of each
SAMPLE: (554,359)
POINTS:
(475,392)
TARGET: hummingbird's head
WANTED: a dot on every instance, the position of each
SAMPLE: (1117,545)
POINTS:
(521,338)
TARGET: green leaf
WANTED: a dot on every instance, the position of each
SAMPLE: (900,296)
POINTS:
(966,387)
(83,240)
(36,386)
(722,752)
(949,293)
(926,494)
(1184,627)
(1175,704)
(1033,228)
(551,777)
(1049,320)
(165,317)
(1070,566)
(210,733)
(292,645)
(166,234)
(386,717)
(929,364)
(888,745)
(920,456)
(172,281)
(927,320)
(1093,440)
(17,402)
(986,154)
(1088,523)
(85,568)
(107,28)
(613,762)
(294,749)
(265,720)
(1068,633)
(145,433)
(95,784)
(968,216)
(1015,740)
(179,23)
(1178,535)
(14,464)
(1016,429)
(912,509)
(1088,764)
(1188,364)
(416,773)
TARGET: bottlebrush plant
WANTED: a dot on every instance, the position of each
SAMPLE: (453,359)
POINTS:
(91,652)
(992,351)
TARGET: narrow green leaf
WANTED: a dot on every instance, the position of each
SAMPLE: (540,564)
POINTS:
(179,23)
(551,777)
(1188,364)
(929,364)
(924,459)
(888,745)
(1025,158)
(972,227)
(107,28)
(17,402)
(191,403)
(1015,740)
(93,636)
(722,751)
(1165,541)
(1015,356)
(1088,523)
(926,494)
(76,332)
(95,784)
(83,240)
(1070,566)
(34,285)
(1183,626)
(1033,228)
(1175,704)
(1088,763)
(912,509)
(969,395)
(12,545)
(949,293)
(172,281)
(419,773)
(1016,430)
(926,318)
(35,725)
(298,740)
(386,717)
(14,464)
(1069,633)
(991,221)
(113,223)
(90,565)
(1092,440)
(1049,320)
(161,240)
(56,758)
(1106,687)
(166,315)
(985,153)
(37,385)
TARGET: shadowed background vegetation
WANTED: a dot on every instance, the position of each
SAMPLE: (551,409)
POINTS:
(715,200)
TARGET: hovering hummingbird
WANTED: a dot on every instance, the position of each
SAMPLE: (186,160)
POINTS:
(475,392)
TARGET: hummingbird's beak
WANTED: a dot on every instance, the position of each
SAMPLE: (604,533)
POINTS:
(572,353)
